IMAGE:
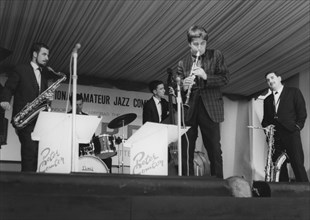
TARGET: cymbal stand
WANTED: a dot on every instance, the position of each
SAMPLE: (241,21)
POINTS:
(123,122)
(122,163)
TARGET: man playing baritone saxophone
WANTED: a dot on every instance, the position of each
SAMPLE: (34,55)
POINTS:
(205,71)
(26,83)
(285,108)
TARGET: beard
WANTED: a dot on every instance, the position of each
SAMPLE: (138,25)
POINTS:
(41,63)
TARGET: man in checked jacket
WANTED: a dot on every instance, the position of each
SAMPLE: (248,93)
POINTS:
(203,70)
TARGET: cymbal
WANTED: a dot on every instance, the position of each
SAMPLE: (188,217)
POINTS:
(122,120)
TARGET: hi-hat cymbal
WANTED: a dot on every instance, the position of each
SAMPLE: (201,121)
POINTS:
(122,120)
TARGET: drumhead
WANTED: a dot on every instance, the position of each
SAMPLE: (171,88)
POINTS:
(92,164)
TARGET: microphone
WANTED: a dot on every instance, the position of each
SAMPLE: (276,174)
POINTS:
(180,72)
(180,68)
(75,49)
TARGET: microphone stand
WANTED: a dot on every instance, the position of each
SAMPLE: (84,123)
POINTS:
(75,151)
(179,102)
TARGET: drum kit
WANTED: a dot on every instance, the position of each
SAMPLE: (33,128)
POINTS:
(103,147)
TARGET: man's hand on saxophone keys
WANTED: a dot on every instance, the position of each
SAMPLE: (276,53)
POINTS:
(5,105)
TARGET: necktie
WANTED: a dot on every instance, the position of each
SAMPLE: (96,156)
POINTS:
(38,77)
(276,101)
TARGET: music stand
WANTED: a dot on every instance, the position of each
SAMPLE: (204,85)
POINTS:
(53,130)
(151,141)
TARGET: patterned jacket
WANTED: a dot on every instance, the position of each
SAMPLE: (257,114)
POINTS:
(209,90)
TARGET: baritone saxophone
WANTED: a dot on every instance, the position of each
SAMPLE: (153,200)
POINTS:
(273,169)
(31,110)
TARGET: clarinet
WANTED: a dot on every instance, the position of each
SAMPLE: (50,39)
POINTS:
(191,74)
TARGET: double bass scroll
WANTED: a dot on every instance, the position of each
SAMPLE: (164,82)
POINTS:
(171,109)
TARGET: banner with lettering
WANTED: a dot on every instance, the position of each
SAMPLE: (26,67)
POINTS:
(107,103)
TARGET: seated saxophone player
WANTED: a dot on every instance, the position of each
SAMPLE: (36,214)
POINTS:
(85,148)
(26,82)
(285,108)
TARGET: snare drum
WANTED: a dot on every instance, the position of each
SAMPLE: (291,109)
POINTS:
(104,146)
(92,164)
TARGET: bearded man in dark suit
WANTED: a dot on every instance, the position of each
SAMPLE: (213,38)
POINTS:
(26,83)
(285,108)
(205,71)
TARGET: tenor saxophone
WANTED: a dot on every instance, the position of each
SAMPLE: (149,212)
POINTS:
(272,169)
(31,110)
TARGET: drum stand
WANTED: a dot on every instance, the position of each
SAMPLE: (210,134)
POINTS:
(123,127)
(118,122)
(123,138)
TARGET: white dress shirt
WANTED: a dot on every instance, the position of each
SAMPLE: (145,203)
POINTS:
(158,106)
(276,96)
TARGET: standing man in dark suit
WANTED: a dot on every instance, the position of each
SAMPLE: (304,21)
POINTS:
(25,83)
(285,108)
(156,109)
(205,71)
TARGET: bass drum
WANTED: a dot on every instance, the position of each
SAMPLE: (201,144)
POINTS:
(92,164)
(201,164)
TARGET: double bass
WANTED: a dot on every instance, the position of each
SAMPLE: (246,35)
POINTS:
(173,147)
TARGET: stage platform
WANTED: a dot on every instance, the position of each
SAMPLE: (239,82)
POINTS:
(123,196)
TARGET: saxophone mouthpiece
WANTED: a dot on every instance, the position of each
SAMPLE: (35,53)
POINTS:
(51,69)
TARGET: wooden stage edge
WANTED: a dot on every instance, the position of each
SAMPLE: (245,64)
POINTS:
(123,196)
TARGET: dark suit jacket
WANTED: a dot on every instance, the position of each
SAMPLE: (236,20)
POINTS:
(22,84)
(291,110)
(210,89)
(150,111)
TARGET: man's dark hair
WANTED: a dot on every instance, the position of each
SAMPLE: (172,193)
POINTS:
(270,73)
(196,31)
(36,47)
(153,85)
(78,97)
